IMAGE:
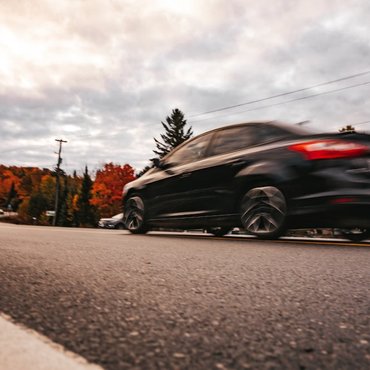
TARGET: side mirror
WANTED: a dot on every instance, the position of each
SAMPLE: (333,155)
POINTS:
(157,163)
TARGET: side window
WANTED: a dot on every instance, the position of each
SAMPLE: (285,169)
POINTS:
(268,133)
(232,139)
(190,152)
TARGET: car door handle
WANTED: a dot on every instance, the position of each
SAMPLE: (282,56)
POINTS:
(238,163)
(184,175)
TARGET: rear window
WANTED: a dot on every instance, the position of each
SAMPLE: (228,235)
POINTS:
(269,133)
(232,139)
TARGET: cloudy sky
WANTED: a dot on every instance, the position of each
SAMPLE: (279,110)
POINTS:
(103,74)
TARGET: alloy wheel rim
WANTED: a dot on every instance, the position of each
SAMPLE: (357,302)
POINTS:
(134,213)
(263,210)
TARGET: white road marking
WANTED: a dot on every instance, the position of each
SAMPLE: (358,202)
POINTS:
(25,349)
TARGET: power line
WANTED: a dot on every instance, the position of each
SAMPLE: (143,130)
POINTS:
(359,123)
(287,101)
(282,94)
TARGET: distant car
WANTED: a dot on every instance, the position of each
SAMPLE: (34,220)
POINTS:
(263,177)
(1,212)
(115,222)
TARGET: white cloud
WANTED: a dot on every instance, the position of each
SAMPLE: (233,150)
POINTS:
(104,74)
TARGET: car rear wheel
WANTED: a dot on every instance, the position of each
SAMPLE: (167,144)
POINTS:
(263,212)
(135,215)
(218,231)
(356,234)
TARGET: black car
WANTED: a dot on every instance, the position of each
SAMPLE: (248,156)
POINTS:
(265,177)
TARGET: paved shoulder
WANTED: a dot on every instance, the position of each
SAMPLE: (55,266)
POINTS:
(22,348)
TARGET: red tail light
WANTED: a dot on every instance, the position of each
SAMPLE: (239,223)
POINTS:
(329,149)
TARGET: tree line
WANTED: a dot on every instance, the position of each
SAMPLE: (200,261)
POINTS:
(31,191)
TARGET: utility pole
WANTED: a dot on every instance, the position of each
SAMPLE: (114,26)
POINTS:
(56,204)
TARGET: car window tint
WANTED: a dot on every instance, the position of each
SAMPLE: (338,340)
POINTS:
(267,133)
(232,139)
(192,151)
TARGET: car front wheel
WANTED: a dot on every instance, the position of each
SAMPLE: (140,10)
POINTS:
(135,215)
(263,212)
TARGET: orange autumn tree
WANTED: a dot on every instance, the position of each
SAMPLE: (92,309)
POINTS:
(8,179)
(17,184)
(107,188)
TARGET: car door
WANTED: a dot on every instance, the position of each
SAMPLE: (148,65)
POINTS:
(173,192)
(227,155)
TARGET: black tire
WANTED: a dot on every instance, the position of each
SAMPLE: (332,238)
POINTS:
(134,215)
(218,231)
(120,226)
(263,212)
(356,234)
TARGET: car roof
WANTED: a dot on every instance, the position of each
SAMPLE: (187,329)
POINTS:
(284,126)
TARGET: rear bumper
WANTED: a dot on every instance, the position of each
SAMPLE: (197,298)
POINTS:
(343,209)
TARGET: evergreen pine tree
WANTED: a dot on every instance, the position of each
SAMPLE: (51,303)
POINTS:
(63,209)
(175,133)
(37,205)
(12,201)
(86,212)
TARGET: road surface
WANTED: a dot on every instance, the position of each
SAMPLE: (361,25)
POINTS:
(163,301)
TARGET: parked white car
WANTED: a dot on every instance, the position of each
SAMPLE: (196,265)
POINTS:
(115,222)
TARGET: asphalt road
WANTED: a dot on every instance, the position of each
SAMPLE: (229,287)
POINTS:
(189,302)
